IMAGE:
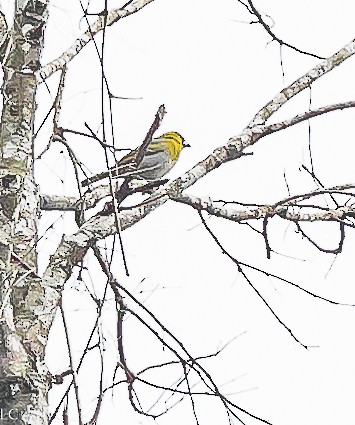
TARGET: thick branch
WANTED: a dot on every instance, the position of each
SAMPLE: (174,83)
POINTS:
(303,82)
(58,203)
(72,203)
(219,209)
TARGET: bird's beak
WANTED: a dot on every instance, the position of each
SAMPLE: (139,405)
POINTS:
(185,145)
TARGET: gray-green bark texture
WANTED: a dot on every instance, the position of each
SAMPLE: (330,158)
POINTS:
(24,379)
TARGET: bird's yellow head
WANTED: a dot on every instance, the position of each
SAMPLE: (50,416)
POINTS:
(174,142)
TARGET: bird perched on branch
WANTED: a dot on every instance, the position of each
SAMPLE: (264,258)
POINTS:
(150,163)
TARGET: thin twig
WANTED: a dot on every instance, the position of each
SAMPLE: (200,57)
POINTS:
(148,138)
(255,12)
(238,264)
(76,388)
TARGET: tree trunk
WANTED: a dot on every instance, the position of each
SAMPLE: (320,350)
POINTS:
(24,379)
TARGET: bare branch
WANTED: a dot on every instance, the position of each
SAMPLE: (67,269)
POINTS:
(336,250)
(58,100)
(240,269)
(108,19)
(272,128)
(265,211)
(72,203)
(177,348)
(73,247)
(255,12)
(57,106)
(303,82)
(148,138)
(76,388)
(105,267)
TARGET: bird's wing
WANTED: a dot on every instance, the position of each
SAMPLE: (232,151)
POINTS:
(128,166)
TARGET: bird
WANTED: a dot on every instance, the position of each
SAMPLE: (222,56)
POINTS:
(159,157)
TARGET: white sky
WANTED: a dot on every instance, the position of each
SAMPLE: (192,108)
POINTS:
(213,72)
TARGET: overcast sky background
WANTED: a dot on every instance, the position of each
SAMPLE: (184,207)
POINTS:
(214,71)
